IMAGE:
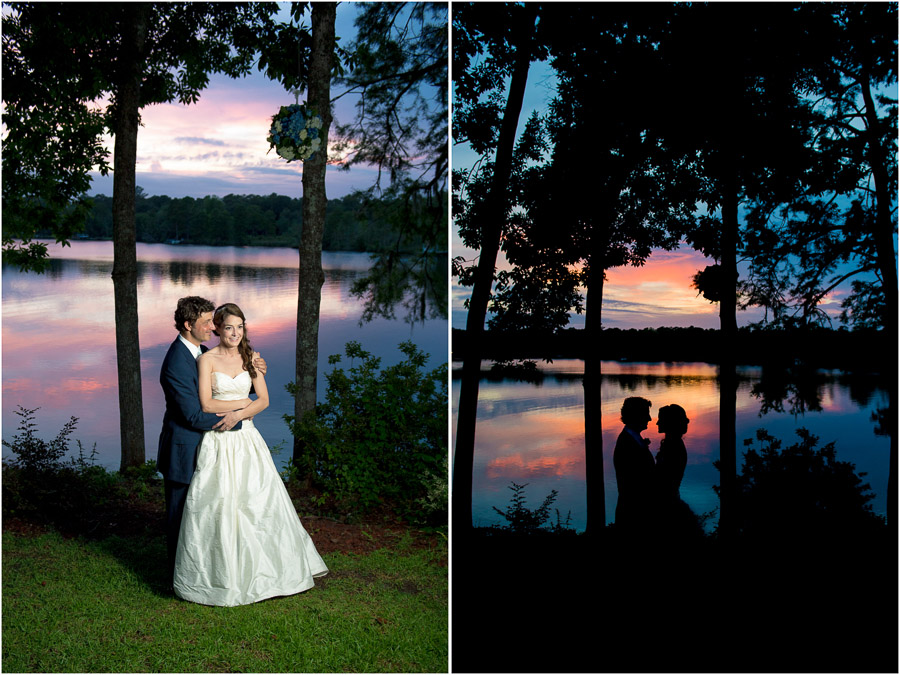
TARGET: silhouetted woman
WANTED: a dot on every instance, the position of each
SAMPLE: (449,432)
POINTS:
(675,516)
(672,456)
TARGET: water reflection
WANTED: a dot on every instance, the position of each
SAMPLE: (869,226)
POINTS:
(534,432)
(59,331)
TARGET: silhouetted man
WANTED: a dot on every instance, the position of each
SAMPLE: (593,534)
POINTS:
(634,469)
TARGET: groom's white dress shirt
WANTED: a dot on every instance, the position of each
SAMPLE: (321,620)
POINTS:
(195,349)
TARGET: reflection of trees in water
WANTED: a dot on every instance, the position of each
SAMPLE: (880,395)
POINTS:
(635,383)
(186,272)
(865,390)
(502,407)
(796,391)
(189,272)
(799,389)
(60,268)
(778,389)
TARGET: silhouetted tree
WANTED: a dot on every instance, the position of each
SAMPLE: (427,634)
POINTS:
(612,192)
(750,138)
(842,225)
(505,35)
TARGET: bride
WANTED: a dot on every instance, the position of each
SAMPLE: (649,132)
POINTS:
(241,540)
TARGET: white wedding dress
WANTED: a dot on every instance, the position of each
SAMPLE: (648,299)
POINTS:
(241,540)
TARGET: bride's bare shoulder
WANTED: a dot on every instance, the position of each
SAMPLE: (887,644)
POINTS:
(207,357)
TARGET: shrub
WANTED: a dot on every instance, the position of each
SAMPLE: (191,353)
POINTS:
(76,496)
(380,437)
(434,504)
(802,493)
(522,520)
(36,455)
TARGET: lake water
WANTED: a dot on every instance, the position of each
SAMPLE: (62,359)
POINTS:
(534,432)
(59,349)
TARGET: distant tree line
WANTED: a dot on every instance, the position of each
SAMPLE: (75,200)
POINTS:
(813,346)
(353,223)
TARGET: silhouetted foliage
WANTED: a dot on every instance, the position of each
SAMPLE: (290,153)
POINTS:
(802,494)
(782,349)
(842,223)
(524,521)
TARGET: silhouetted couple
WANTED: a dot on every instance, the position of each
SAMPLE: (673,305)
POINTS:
(650,503)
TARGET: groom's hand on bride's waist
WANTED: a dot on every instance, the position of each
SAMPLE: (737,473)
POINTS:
(228,420)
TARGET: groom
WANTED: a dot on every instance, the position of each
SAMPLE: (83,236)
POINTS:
(185,422)
(635,470)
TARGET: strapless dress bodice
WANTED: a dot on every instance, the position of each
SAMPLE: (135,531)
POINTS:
(227,388)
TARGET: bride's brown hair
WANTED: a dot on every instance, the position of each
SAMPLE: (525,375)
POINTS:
(244,349)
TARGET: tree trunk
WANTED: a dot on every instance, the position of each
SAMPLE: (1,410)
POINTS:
(887,265)
(311,275)
(124,274)
(492,218)
(593,402)
(728,173)
(727,338)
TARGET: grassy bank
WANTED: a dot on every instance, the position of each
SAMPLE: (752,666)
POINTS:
(80,605)
(85,585)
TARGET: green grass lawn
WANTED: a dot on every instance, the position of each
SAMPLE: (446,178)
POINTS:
(76,605)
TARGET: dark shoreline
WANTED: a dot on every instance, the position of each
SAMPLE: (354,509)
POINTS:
(856,351)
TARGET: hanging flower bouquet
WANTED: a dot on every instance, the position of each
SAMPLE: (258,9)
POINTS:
(295,132)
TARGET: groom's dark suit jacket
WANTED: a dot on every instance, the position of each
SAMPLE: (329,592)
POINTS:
(635,479)
(184,421)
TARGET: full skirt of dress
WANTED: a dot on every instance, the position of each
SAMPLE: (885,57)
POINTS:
(241,540)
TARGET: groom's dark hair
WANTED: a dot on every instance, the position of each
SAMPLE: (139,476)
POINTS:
(634,408)
(189,309)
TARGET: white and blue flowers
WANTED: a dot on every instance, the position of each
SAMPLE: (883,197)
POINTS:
(295,132)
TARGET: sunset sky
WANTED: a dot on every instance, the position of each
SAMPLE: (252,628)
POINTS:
(656,295)
(218,146)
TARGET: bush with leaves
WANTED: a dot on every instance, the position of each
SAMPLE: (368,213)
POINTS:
(380,437)
(76,495)
(35,455)
(802,494)
(522,520)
